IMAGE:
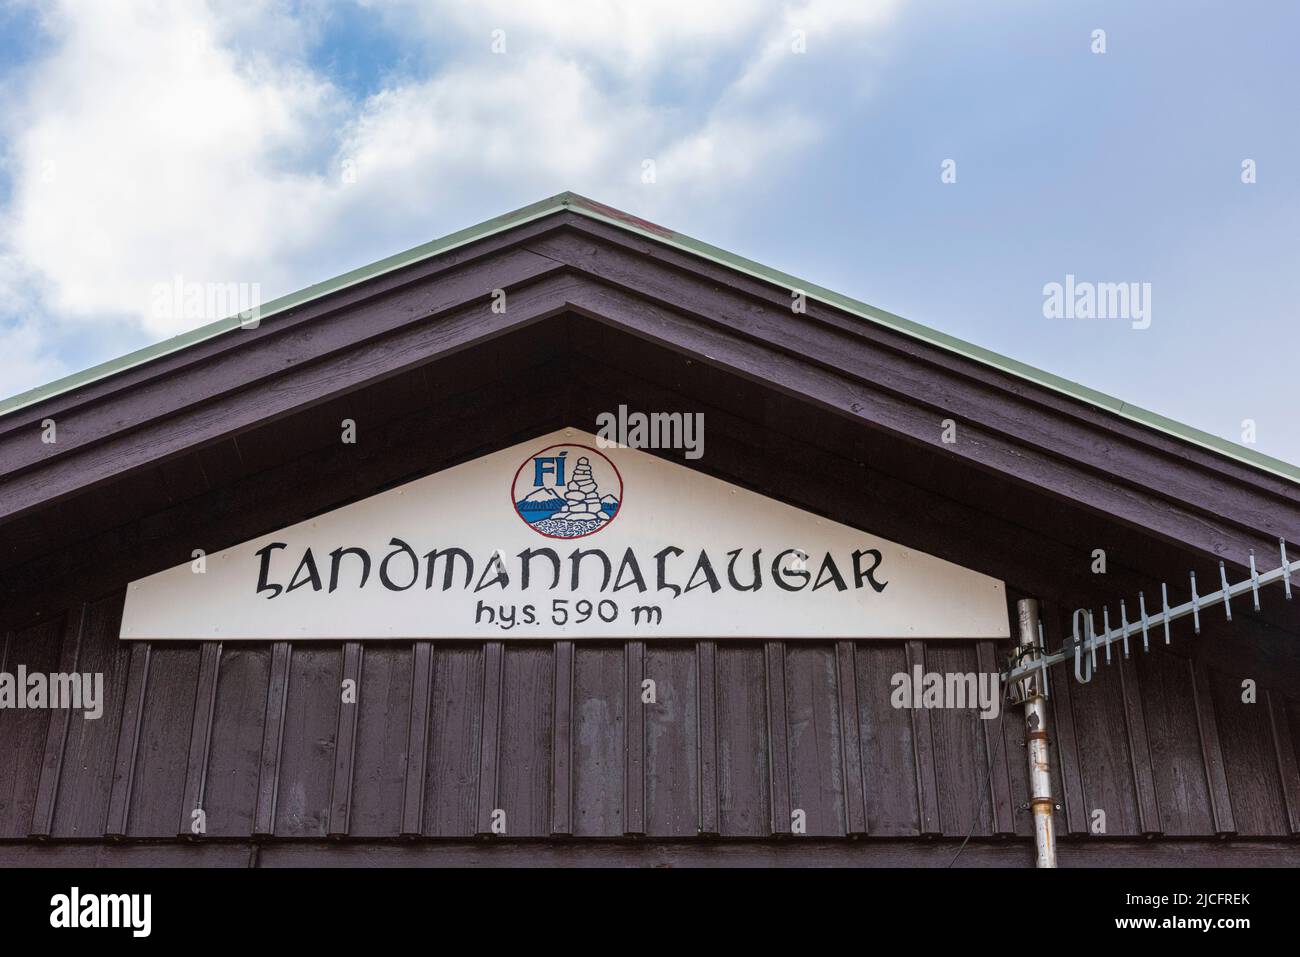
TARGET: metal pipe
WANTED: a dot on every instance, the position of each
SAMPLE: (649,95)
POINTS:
(1041,804)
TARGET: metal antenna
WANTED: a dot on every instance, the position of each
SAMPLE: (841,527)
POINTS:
(1142,606)
(1164,604)
(1105,623)
(1227,592)
(1086,639)
(1196,607)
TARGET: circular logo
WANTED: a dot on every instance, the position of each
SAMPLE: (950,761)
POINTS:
(567,491)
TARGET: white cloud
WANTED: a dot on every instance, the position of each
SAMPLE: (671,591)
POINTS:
(144,148)
(164,139)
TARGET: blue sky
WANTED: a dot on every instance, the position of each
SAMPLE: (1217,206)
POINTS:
(279,144)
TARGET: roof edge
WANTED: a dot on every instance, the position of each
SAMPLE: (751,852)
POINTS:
(293,300)
(573,202)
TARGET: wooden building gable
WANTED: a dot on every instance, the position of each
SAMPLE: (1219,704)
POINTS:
(834,408)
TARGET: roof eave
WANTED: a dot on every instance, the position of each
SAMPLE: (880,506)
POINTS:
(572,202)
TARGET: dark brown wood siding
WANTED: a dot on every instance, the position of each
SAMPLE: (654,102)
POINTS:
(555,735)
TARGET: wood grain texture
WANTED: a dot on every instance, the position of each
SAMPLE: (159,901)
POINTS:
(417,740)
(1144,787)
(673,725)
(846,691)
(455,756)
(706,659)
(634,789)
(162,749)
(308,740)
(272,749)
(200,750)
(489,763)
(562,743)
(1212,753)
(128,741)
(599,739)
(56,734)
(999,779)
(744,788)
(888,736)
(235,754)
(1254,790)
(379,766)
(345,738)
(1284,752)
(925,760)
(815,739)
(524,767)
(778,737)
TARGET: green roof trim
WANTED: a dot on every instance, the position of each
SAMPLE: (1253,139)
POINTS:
(607,214)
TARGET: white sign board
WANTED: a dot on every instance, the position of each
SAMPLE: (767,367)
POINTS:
(561,538)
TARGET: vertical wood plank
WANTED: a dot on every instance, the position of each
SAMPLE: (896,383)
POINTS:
(234,755)
(815,739)
(927,780)
(490,743)
(81,801)
(56,734)
(562,744)
(1212,750)
(1284,751)
(599,757)
(196,768)
(634,729)
(128,741)
(778,736)
(1061,695)
(1250,766)
(23,731)
(960,759)
(158,781)
(345,743)
(1144,786)
(525,739)
(855,788)
(886,737)
(451,793)
(417,740)
(999,786)
(379,747)
(706,689)
(672,778)
(744,742)
(309,741)
(268,778)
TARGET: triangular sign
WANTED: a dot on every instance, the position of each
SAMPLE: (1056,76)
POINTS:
(566,537)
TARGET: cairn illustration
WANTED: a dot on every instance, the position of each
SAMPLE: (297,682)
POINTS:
(582,501)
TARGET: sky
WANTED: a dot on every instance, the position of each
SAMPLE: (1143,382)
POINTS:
(944,160)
